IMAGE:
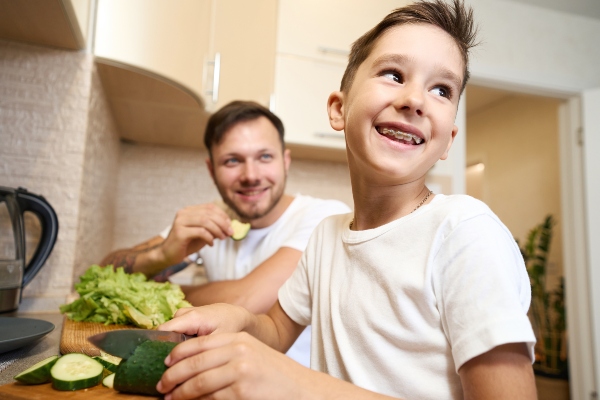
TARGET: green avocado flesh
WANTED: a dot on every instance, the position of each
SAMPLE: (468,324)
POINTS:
(240,229)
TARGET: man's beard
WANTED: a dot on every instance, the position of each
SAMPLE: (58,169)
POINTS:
(253,214)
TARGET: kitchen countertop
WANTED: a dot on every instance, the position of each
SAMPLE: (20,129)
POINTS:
(15,361)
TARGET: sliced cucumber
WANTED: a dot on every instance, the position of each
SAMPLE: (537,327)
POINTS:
(109,365)
(109,381)
(76,371)
(38,373)
(240,229)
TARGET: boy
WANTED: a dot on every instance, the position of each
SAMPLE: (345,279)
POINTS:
(416,295)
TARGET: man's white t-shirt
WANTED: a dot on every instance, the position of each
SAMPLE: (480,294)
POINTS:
(229,259)
(400,308)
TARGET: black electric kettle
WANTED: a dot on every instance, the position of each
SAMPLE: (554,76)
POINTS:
(15,272)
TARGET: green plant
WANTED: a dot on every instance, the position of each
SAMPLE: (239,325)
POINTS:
(547,311)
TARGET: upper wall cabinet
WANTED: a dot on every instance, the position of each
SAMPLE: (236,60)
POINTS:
(56,23)
(220,49)
(313,42)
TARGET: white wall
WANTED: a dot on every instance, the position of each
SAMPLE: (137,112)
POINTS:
(523,45)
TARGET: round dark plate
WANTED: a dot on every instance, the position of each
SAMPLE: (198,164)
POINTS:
(18,332)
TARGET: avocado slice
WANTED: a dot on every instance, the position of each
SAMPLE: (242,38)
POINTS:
(240,229)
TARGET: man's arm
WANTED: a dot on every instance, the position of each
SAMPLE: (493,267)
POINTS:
(143,257)
(504,372)
(256,292)
(193,228)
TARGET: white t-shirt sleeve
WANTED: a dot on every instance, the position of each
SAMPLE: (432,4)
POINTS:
(301,224)
(165,232)
(482,295)
(294,295)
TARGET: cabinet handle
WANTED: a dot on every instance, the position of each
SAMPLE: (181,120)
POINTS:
(332,50)
(334,135)
(216,77)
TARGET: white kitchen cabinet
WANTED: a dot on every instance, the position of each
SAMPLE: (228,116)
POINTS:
(326,29)
(302,86)
(313,42)
(184,40)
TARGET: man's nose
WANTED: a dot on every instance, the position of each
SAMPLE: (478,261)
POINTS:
(250,172)
(411,99)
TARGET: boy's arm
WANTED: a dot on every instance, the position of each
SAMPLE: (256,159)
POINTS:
(256,292)
(238,366)
(504,372)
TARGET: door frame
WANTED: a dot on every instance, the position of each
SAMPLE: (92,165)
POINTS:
(580,318)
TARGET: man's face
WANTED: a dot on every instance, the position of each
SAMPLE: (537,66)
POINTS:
(249,168)
(399,113)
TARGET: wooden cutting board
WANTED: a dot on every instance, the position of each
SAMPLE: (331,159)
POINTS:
(17,391)
(73,338)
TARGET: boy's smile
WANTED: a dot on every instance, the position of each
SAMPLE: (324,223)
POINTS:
(398,114)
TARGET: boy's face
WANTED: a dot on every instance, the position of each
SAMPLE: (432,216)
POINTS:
(249,168)
(398,115)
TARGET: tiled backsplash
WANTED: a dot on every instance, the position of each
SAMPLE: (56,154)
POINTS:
(58,139)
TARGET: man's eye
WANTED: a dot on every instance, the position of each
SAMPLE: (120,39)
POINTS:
(441,91)
(266,157)
(231,162)
(392,75)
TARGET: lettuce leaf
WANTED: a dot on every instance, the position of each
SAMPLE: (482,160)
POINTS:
(112,296)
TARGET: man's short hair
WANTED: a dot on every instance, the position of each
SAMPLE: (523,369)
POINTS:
(454,18)
(233,113)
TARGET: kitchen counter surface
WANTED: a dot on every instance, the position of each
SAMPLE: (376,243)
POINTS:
(15,361)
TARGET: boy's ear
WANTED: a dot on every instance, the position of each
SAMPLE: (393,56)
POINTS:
(335,109)
(450,141)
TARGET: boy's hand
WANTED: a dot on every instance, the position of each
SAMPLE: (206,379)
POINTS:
(232,366)
(214,318)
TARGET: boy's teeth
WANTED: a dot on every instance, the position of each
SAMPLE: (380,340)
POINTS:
(408,137)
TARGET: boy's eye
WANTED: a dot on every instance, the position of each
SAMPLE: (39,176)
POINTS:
(441,91)
(392,75)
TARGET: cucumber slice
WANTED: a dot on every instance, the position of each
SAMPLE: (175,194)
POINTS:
(76,371)
(109,365)
(38,373)
(109,381)
(240,230)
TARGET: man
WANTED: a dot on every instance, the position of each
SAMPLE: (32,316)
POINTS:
(248,163)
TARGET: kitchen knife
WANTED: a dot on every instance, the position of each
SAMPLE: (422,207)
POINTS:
(122,343)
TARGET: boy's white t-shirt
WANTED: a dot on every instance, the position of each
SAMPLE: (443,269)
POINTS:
(229,259)
(400,308)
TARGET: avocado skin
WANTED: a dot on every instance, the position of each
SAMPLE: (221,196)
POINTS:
(141,372)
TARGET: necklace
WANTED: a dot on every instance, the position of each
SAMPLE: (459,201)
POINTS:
(429,193)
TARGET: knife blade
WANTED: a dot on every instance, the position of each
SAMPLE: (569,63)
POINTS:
(122,343)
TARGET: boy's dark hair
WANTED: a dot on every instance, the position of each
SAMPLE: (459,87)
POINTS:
(454,18)
(233,113)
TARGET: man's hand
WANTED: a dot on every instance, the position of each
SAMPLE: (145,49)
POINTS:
(193,228)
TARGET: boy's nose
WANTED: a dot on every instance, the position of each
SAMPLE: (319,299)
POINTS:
(411,99)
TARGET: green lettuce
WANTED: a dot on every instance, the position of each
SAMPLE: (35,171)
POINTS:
(112,296)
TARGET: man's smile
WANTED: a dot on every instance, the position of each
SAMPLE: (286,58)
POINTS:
(403,137)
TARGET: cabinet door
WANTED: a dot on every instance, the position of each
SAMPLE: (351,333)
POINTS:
(170,38)
(302,87)
(327,29)
(244,36)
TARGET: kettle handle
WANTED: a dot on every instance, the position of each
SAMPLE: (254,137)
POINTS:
(49,223)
